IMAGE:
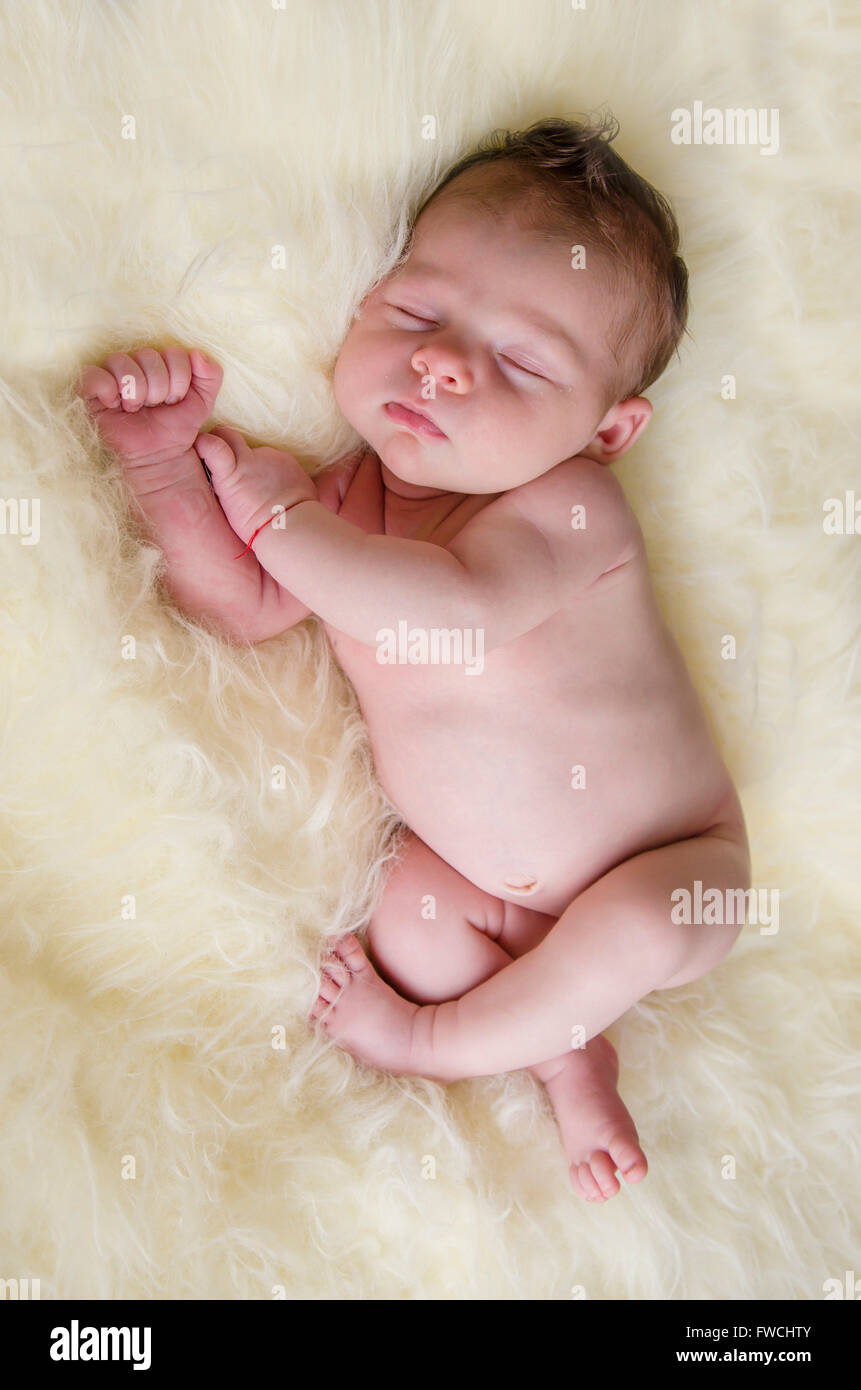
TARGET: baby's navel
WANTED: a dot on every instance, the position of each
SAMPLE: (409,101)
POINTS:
(520,883)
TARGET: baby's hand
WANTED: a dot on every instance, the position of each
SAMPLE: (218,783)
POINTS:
(149,406)
(252,484)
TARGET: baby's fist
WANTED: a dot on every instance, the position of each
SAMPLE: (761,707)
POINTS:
(149,405)
(252,485)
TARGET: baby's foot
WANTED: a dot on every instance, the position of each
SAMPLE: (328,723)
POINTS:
(361,1012)
(597,1130)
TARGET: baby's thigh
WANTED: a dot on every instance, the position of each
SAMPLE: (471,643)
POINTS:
(435,935)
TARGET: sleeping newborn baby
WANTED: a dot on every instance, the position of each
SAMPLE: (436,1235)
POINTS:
(484,585)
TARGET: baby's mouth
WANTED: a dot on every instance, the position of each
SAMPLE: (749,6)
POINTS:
(413,419)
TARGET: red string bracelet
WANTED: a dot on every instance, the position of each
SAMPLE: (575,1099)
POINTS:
(257,532)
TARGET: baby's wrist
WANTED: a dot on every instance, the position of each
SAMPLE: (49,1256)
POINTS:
(160,473)
(277,511)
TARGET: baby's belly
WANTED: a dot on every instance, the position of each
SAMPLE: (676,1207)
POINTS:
(533,788)
(503,825)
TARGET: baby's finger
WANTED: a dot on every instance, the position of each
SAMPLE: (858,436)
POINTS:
(217,456)
(207,377)
(156,373)
(130,378)
(235,439)
(179,370)
(98,389)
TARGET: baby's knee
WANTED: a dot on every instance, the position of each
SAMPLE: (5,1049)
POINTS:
(430,931)
(425,897)
(397,928)
(417,915)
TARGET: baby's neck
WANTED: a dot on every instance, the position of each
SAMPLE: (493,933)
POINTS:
(411,492)
(422,513)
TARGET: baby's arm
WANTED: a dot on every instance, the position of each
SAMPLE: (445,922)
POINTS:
(148,407)
(527,554)
(204,575)
(235,597)
(515,564)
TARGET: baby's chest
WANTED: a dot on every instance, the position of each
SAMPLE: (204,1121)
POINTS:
(364,504)
(441,671)
(434,683)
(378,511)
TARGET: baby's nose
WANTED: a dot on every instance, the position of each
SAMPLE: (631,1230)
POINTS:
(449,369)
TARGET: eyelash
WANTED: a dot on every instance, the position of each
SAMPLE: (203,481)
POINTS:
(526,370)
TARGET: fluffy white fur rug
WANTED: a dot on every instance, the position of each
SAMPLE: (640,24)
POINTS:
(155,1142)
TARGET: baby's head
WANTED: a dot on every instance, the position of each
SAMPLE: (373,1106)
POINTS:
(538,296)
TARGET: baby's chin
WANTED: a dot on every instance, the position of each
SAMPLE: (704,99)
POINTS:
(415,472)
(419,479)
(407,456)
(433,464)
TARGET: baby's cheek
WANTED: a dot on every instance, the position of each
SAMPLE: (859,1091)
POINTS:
(342,378)
(353,382)
(360,362)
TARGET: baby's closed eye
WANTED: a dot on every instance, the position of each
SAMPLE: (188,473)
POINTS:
(521,367)
(527,367)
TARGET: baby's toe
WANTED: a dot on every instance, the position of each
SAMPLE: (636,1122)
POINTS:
(334,969)
(319,1007)
(630,1160)
(329,990)
(603,1171)
(573,1173)
(588,1186)
(349,949)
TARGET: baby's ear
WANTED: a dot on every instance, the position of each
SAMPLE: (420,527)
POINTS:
(621,428)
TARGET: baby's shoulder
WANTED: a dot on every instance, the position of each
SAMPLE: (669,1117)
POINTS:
(574,483)
(579,495)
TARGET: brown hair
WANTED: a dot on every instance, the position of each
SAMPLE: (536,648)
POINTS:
(563,178)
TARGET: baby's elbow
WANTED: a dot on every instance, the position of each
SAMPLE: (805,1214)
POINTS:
(504,616)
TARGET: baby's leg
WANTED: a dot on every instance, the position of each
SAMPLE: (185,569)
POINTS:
(435,936)
(616,942)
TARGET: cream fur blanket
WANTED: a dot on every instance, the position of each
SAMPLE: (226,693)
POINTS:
(183,823)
